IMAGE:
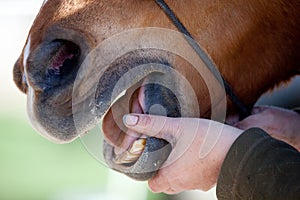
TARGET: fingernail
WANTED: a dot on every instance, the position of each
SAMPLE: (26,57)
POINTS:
(130,120)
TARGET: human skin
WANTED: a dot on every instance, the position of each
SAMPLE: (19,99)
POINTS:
(188,135)
(252,44)
(280,123)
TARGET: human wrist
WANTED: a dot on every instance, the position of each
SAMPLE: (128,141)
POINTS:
(228,136)
(225,136)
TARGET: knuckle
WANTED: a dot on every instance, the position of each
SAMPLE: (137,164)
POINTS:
(159,183)
(145,121)
(240,126)
(154,186)
(172,126)
(172,131)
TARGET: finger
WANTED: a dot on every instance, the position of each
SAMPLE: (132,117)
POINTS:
(247,123)
(259,109)
(241,125)
(158,126)
(232,119)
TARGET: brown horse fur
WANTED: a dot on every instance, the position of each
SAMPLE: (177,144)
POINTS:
(255,44)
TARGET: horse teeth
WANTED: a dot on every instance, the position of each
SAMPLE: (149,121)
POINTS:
(133,154)
(138,146)
(126,158)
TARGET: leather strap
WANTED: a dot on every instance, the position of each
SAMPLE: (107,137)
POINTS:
(244,111)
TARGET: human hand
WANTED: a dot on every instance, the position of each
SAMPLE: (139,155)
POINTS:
(280,123)
(199,149)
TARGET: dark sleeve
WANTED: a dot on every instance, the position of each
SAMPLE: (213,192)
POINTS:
(297,110)
(259,167)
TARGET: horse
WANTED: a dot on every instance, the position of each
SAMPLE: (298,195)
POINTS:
(254,44)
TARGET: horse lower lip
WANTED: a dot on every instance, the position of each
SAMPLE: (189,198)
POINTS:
(141,166)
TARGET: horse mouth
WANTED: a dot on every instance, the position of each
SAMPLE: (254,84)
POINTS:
(128,146)
(129,152)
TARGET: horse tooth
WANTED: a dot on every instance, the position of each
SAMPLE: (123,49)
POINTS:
(138,146)
(126,157)
(133,153)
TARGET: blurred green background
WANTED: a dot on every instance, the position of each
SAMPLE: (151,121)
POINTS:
(32,168)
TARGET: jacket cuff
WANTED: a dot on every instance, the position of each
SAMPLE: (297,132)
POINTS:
(236,161)
(297,110)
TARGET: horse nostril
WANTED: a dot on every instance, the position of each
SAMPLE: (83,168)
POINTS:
(63,62)
(66,51)
(53,64)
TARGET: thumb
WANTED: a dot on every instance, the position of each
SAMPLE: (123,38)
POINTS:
(152,125)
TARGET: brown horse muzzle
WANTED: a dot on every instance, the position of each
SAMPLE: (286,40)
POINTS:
(51,70)
(141,87)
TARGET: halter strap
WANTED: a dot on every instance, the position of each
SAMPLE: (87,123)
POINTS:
(244,111)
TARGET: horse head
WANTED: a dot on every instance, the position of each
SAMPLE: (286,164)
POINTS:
(254,44)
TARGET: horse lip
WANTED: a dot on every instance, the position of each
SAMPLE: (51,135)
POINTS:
(155,153)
